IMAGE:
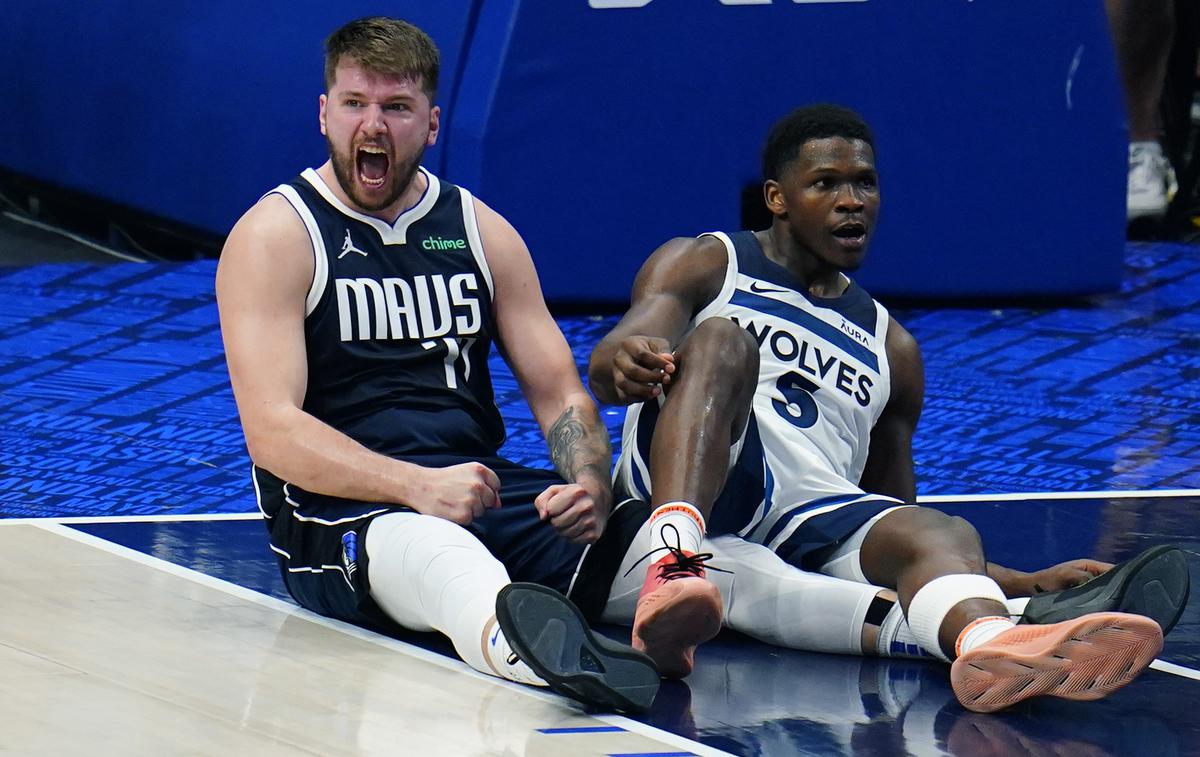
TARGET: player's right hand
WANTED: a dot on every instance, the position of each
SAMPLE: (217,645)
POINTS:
(642,368)
(460,493)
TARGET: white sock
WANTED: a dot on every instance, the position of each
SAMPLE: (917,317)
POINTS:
(676,524)
(980,631)
(896,638)
(428,574)
(504,662)
(933,601)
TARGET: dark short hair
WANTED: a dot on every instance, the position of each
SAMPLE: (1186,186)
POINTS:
(818,121)
(385,46)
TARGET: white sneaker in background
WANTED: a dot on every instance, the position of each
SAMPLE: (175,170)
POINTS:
(1147,188)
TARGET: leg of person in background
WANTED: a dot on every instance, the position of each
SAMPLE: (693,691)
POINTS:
(1142,33)
(427,573)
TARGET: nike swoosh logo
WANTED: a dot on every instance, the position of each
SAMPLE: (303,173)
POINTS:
(754,287)
(495,636)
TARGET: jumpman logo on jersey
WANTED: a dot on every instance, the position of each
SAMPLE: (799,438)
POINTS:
(348,247)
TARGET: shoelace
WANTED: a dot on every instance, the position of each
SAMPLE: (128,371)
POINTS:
(685,564)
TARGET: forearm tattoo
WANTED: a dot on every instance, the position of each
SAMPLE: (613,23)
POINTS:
(576,449)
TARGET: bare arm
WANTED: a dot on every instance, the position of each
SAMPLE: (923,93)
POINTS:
(889,468)
(634,361)
(263,277)
(544,367)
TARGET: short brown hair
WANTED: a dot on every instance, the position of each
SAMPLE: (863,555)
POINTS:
(385,46)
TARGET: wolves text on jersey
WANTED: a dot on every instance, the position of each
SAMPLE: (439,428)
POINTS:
(395,308)
(788,348)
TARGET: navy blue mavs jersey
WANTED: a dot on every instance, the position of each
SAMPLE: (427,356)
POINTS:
(398,323)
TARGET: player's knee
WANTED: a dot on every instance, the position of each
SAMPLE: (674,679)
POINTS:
(922,532)
(723,351)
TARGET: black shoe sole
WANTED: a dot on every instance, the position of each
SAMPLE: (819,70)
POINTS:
(1154,584)
(550,635)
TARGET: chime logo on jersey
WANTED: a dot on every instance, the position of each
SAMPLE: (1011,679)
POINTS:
(426,307)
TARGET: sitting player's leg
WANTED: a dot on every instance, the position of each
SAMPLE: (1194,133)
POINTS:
(428,573)
(770,600)
(683,445)
(936,564)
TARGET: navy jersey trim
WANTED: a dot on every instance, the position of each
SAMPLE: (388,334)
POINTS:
(806,320)
(855,304)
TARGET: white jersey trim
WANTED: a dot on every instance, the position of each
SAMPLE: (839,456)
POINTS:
(727,288)
(396,233)
(882,322)
(471,223)
(316,290)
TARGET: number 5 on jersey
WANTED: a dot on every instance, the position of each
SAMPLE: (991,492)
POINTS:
(797,406)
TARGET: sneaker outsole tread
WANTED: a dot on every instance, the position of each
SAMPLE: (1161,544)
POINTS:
(1082,659)
(550,635)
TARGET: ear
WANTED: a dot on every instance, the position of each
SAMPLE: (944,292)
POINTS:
(435,114)
(773,196)
(321,112)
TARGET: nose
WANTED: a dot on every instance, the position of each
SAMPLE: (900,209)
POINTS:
(373,121)
(849,200)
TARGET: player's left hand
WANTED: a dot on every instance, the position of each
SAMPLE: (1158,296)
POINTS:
(578,514)
(1064,575)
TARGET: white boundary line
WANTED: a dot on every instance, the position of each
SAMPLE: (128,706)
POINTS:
(932,498)
(84,519)
(135,518)
(1121,494)
(633,726)
(1179,670)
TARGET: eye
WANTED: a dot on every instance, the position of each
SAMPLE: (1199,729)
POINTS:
(397,107)
(352,103)
(823,183)
(868,182)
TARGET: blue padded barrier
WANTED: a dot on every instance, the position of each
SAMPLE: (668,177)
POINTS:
(602,132)
(188,110)
(999,129)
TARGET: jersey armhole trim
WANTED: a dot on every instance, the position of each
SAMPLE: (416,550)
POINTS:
(316,289)
(730,283)
(471,223)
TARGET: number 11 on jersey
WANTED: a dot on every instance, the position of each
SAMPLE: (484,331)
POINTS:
(454,348)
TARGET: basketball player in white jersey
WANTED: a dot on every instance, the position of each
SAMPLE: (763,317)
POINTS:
(772,400)
(358,306)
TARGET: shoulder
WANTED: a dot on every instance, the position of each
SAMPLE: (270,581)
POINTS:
(690,266)
(493,227)
(707,252)
(270,220)
(271,240)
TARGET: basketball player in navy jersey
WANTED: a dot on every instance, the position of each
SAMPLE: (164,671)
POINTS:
(358,306)
(773,400)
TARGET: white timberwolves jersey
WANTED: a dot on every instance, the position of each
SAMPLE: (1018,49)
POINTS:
(823,381)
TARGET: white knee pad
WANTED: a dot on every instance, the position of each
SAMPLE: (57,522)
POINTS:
(427,574)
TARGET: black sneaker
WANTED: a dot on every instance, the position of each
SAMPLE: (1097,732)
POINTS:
(1154,584)
(550,635)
